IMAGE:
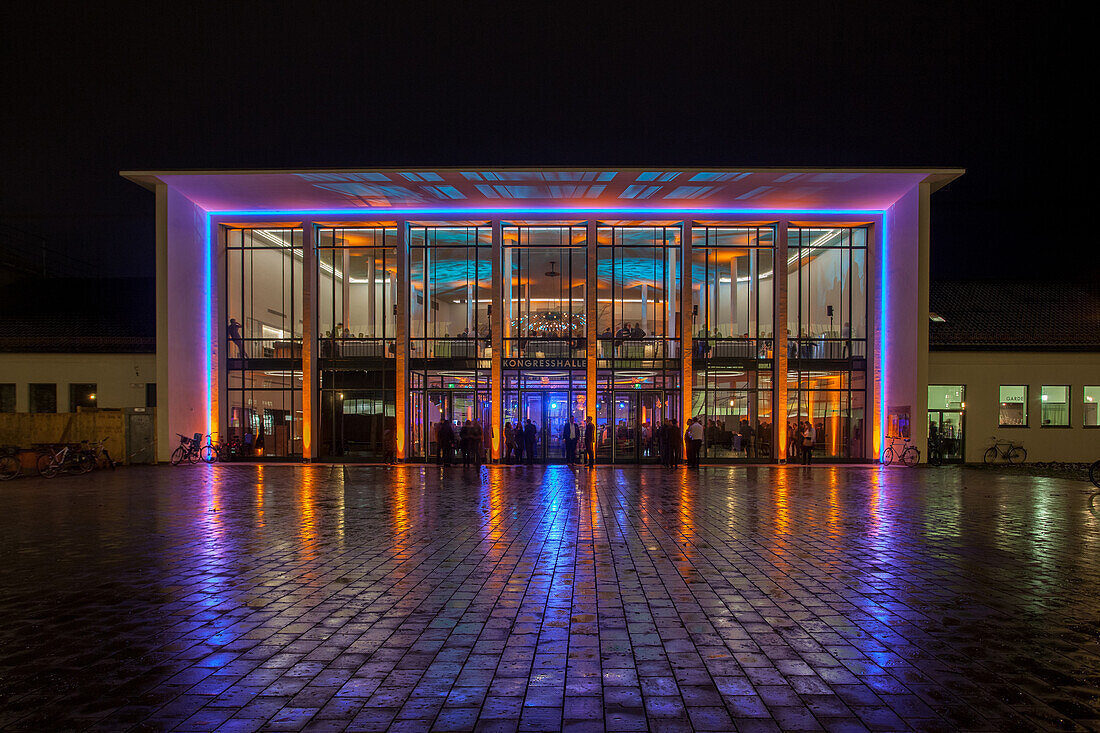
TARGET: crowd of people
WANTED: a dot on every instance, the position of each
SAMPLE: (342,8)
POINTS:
(469,441)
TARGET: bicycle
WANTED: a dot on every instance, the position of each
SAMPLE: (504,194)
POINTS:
(10,465)
(935,453)
(1094,474)
(97,452)
(53,460)
(1006,450)
(214,452)
(910,455)
(188,450)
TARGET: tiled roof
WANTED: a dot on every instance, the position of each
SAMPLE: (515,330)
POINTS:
(1015,316)
(78,315)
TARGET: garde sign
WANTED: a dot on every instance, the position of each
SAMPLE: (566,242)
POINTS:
(544,363)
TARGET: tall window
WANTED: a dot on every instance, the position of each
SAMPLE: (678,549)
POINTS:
(1054,406)
(827,292)
(735,406)
(357,291)
(544,270)
(264,339)
(834,403)
(264,293)
(265,411)
(638,282)
(1012,412)
(81,396)
(43,398)
(1090,407)
(7,398)
(451,280)
(732,288)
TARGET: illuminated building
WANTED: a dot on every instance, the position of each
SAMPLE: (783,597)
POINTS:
(371,301)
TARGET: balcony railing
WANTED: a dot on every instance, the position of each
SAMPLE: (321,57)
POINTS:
(450,348)
(638,349)
(545,348)
(732,348)
(834,349)
(266,348)
(358,348)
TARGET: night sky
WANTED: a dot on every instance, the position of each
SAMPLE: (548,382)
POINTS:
(91,89)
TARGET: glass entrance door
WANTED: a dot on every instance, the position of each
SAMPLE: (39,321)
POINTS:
(548,411)
(458,406)
(948,426)
(628,425)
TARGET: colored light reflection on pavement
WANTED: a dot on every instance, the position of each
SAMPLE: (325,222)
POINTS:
(368,598)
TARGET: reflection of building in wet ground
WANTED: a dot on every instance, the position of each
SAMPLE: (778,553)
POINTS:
(365,597)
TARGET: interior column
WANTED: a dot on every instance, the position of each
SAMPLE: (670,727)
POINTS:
(779,363)
(401,358)
(311,383)
(496,427)
(686,374)
(591,311)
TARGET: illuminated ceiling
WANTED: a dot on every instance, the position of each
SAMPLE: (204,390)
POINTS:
(577,188)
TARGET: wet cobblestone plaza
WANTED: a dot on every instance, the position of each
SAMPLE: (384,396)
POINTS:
(238,598)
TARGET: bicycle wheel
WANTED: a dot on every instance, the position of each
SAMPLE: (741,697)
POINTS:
(934,458)
(178,455)
(1094,474)
(910,456)
(1017,454)
(207,454)
(9,468)
(991,455)
(888,456)
(85,463)
(193,456)
(48,466)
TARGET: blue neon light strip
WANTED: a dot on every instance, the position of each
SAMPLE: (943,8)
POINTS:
(884,296)
(208,307)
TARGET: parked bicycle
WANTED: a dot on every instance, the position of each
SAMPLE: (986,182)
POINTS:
(214,452)
(1005,450)
(98,453)
(189,449)
(1094,474)
(10,465)
(909,455)
(66,458)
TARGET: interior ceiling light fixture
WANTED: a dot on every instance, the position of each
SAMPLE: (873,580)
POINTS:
(552,272)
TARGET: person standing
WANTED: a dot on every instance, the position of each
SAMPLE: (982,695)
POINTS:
(695,445)
(445,437)
(464,443)
(509,437)
(477,436)
(233,330)
(530,438)
(569,442)
(590,442)
(810,437)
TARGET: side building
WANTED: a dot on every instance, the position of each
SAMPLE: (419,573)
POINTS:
(78,362)
(1016,362)
(316,313)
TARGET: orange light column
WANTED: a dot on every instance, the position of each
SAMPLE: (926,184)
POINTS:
(498,316)
(401,334)
(311,385)
(779,348)
(591,311)
(686,343)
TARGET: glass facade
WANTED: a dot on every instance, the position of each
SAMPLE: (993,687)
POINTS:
(413,321)
(827,339)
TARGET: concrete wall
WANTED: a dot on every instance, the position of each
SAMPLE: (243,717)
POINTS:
(982,373)
(120,379)
(184,365)
(906,282)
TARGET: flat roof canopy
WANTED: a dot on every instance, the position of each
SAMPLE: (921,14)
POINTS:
(594,187)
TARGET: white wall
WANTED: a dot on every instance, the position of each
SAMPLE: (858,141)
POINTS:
(120,379)
(982,373)
(183,375)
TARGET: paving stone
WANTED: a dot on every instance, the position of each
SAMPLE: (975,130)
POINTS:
(243,598)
